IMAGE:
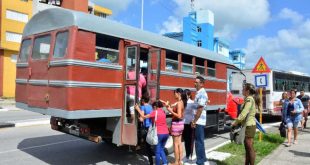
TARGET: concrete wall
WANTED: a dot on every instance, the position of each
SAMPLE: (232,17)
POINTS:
(9,74)
(9,48)
(1,73)
(79,5)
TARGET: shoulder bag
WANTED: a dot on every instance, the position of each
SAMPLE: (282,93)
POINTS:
(151,136)
(238,135)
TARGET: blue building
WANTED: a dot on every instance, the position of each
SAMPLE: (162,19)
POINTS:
(238,58)
(198,29)
(221,46)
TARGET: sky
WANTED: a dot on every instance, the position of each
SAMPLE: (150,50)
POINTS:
(277,30)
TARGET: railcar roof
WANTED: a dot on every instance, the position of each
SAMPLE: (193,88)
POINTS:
(55,18)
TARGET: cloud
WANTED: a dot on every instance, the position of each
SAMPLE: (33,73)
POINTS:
(291,15)
(288,50)
(115,5)
(171,25)
(230,16)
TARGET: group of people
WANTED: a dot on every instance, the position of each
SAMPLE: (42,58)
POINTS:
(294,111)
(188,122)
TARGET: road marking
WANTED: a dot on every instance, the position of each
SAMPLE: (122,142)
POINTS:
(40,146)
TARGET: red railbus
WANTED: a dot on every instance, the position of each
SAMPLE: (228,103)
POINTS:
(73,66)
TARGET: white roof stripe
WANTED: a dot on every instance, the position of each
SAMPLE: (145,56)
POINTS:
(56,18)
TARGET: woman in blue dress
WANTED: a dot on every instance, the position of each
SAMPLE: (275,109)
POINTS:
(291,114)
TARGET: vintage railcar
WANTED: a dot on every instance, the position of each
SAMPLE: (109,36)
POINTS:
(59,73)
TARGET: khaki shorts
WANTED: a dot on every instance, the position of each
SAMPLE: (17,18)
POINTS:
(250,131)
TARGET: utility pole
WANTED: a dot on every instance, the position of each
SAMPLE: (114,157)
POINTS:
(142,4)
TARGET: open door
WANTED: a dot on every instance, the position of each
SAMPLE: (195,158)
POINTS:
(131,93)
(153,85)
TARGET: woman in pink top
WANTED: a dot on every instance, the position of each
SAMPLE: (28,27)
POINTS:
(177,125)
(162,130)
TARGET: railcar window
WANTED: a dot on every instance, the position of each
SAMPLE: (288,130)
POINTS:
(107,49)
(131,63)
(211,68)
(25,50)
(286,81)
(200,66)
(41,47)
(172,61)
(61,44)
(130,103)
(187,64)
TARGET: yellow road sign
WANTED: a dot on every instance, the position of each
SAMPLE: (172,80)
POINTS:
(261,67)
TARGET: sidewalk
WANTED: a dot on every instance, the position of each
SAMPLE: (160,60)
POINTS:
(297,154)
(10,116)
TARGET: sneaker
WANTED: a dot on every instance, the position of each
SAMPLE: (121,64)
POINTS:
(185,160)
(207,163)
(288,145)
(295,142)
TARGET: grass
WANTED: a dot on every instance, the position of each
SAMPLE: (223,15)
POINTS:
(262,149)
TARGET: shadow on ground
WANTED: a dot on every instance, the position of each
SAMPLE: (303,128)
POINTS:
(65,149)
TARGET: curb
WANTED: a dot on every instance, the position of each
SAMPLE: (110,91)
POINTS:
(6,125)
(3,109)
(25,123)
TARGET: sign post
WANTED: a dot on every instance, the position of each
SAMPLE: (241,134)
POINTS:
(260,82)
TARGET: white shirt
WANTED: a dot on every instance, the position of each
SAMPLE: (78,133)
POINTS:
(201,99)
(189,111)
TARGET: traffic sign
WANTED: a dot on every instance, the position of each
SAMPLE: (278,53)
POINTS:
(261,67)
(261,80)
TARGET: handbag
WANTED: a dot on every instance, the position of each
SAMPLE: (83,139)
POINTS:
(282,129)
(151,136)
(238,135)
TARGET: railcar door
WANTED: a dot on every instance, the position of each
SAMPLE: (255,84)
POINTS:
(131,94)
(153,85)
(38,71)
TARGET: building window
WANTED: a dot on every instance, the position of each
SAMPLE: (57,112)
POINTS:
(199,43)
(198,29)
(17,16)
(13,37)
(52,2)
(220,48)
(103,15)
(235,58)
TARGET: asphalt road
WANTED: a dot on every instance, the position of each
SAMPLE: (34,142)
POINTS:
(41,145)
(20,115)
